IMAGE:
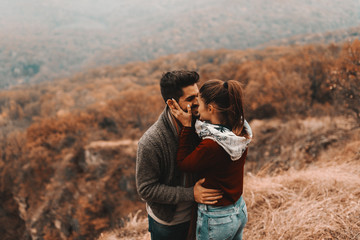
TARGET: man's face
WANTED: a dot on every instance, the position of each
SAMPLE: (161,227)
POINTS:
(190,96)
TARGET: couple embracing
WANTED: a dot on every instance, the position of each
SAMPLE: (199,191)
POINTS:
(190,162)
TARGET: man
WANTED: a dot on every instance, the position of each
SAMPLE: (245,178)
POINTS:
(169,193)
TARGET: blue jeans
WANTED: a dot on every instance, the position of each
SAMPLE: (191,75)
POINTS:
(225,222)
(163,232)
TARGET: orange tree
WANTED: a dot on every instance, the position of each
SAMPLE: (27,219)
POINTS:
(344,81)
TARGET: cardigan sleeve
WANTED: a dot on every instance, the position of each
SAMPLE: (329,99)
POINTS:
(205,155)
(148,179)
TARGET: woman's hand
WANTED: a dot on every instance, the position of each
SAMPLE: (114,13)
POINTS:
(184,117)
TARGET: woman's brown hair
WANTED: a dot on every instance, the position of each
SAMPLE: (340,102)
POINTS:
(227,95)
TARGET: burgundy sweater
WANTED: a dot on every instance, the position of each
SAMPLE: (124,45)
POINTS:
(214,164)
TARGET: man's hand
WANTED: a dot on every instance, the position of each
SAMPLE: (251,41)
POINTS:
(204,195)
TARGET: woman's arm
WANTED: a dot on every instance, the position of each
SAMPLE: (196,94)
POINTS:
(204,156)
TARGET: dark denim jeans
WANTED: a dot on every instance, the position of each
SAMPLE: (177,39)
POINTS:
(163,232)
(221,222)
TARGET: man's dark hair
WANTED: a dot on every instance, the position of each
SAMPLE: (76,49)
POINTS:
(172,83)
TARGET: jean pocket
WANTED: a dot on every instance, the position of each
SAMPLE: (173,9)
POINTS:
(220,227)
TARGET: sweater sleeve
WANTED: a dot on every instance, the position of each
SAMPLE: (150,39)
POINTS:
(205,155)
(148,179)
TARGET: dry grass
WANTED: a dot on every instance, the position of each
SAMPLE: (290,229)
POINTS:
(135,228)
(317,203)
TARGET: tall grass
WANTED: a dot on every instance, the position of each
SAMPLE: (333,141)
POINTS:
(316,203)
(135,228)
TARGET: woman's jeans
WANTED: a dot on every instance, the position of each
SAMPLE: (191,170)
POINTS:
(225,222)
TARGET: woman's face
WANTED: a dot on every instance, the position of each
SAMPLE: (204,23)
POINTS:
(204,112)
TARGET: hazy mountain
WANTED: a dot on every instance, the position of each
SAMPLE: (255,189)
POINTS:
(42,40)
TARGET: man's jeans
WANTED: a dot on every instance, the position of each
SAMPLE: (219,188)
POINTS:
(221,222)
(163,232)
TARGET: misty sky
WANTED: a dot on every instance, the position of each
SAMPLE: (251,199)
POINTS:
(17,15)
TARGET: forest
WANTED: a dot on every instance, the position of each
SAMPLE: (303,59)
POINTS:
(68,146)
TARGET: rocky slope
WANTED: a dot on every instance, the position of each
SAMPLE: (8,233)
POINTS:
(89,190)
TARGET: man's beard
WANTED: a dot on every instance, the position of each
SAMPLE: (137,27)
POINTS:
(195,115)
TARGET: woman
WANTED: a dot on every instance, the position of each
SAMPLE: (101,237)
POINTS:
(219,158)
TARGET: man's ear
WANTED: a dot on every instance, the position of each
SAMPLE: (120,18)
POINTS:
(170,103)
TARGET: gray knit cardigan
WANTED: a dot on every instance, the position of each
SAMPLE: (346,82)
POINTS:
(158,180)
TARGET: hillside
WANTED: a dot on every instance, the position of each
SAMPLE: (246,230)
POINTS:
(41,41)
(336,36)
(68,147)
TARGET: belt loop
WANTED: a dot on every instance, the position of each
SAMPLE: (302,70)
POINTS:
(203,207)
